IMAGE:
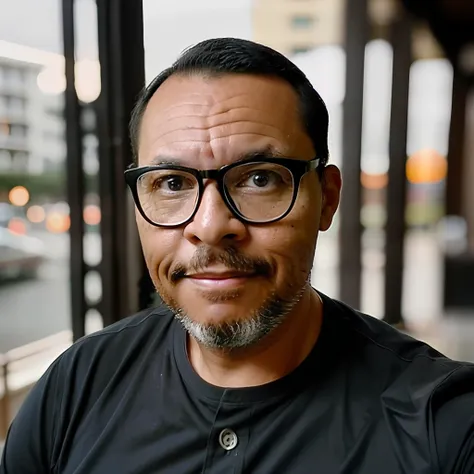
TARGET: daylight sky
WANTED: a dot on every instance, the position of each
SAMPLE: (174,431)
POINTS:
(170,26)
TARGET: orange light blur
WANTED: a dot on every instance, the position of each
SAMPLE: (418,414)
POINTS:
(92,215)
(19,196)
(16,226)
(58,223)
(35,214)
(374,181)
(426,166)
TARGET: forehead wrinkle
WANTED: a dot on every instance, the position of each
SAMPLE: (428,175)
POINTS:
(267,151)
(272,144)
(209,125)
(223,129)
(222,117)
(243,108)
(228,104)
(218,138)
(226,132)
(225,108)
(180,136)
(199,99)
(190,122)
(225,119)
(255,134)
(218,113)
(207,130)
(168,114)
(171,113)
(207,142)
(194,105)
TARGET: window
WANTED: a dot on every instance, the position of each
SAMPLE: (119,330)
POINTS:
(54,113)
(18,131)
(4,129)
(303,22)
(22,320)
(20,160)
(300,49)
(15,76)
(5,160)
(17,105)
(53,135)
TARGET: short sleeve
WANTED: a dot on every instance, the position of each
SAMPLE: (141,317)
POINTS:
(29,444)
(454,423)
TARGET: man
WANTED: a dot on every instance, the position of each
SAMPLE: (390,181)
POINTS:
(250,369)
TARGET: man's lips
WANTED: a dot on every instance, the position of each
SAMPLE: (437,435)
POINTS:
(220,280)
(219,275)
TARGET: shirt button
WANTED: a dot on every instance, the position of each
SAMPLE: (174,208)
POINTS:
(228,439)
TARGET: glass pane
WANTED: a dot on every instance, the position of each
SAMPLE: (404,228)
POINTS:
(260,191)
(34,216)
(168,196)
(34,220)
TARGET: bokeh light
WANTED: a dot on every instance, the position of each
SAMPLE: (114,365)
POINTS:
(426,166)
(35,214)
(19,196)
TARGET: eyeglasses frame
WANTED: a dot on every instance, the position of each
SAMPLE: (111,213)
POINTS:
(297,167)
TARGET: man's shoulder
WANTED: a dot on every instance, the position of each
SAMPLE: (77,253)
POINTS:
(395,358)
(416,389)
(157,319)
(125,339)
(380,337)
(92,375)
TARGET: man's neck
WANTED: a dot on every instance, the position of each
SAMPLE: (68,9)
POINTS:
(278,355)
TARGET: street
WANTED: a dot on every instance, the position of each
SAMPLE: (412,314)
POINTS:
(33,309)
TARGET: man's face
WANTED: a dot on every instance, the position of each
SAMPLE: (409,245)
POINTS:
(216,271)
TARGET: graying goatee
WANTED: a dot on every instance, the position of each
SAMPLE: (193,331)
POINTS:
(243,333)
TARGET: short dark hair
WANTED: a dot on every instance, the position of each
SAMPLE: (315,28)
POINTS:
(222,56)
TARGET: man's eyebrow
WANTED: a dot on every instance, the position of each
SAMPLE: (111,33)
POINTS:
(265,153)
(165,160)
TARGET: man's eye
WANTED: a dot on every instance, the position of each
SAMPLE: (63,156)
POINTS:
(171,183)
(261,179)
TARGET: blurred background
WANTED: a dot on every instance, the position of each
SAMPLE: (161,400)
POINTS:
(397,77)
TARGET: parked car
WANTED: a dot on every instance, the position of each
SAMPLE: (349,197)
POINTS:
(21,256)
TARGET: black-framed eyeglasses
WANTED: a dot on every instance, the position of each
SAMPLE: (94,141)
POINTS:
(257,191)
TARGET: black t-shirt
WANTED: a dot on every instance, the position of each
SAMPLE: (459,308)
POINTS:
(368,399)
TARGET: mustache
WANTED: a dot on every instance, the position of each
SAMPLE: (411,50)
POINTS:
(231,258)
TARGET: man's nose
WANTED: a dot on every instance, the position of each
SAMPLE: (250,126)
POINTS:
(214,221)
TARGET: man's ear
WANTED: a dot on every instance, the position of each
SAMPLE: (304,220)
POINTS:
(331,184)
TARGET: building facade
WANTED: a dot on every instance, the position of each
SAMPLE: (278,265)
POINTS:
(296,26)
(31,122)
